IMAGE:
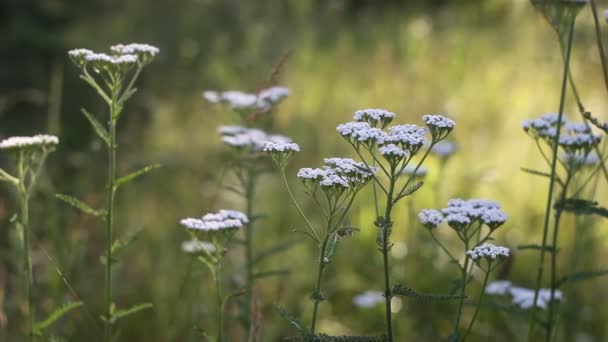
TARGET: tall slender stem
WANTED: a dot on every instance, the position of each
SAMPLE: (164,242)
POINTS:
(109,224)
(558,215)
(249,197)
(463,285)
(29,279)
(220,304)
(539,275)
(316,296)
(481,293)
(386,227)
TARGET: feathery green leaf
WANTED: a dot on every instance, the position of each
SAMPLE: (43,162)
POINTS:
(76,203)
(99,128)
(55,316)
(131,176)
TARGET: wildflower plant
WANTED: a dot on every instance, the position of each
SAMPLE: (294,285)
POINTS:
(333,188)
(113,76)
(249,163)
(390,149)
(210,239)
(474,221)
(30,154)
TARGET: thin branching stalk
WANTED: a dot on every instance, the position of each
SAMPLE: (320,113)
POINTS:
(27,257)
(220,303)
(478,306)
(558,215)
(109,226)
(463,285)
(250,181)
(562,101)
(317,297)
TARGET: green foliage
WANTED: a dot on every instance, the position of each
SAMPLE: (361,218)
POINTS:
(580,206)
(266,274)
(535,172)
(403,291)
(306,230)
(116,315)
(132,176)
(78,204)
(101,131)
(537,247)
(55,316)
(410,190)
(121,244)
(328,338)
(302,329)
(581,276)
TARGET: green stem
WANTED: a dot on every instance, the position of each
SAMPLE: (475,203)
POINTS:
(293,200)
(316,296)
(29,279)
(249,196)
(220,304)
(539,275)
(558,215)
(463,285)
(385,249)
(109,227)
(481,293)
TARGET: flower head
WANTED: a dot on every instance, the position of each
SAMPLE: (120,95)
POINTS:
(410,170)
(498,287)
(214,222)
(430,218)
(240,101)
(489,252)
(145,52)
(281,151)
(494,218)
(34,142)
(197,246)
(368,299)
(374,116)
(444,149)
(439,125)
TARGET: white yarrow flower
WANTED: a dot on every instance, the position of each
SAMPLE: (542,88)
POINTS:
(197,246)
(40,140)
(368,299)
(488,251)
(223,219)
(430,218)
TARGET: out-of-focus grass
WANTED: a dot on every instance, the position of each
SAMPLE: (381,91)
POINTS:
(487,66)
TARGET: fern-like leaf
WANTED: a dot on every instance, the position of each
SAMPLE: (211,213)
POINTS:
(306,231)
(581,276)
(400,290)
(409,191)
(116,315)
(78,204)
(55,316)
(131,176)
(580,206)
(121,244)
(295,322)
(97,126)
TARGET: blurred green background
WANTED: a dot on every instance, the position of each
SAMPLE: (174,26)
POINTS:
(487,64)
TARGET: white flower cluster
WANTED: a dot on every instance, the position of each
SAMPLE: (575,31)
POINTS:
(84,56)
(444,149)
(576,138)
(488,251)
(401,141)
(135,49)
(40,140)
(238,100)
(522,297)
(197,246)
(439,125)
(430,218)
(392,150)
(374,116)
(410,170)
(579,161)
(337,173)
(250,138)
(223,219)
(460,213)
(280,147)
(368,299)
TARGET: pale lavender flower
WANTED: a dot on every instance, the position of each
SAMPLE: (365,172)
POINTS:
(368,299)
(430,218)
(499,287)
(488,251)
